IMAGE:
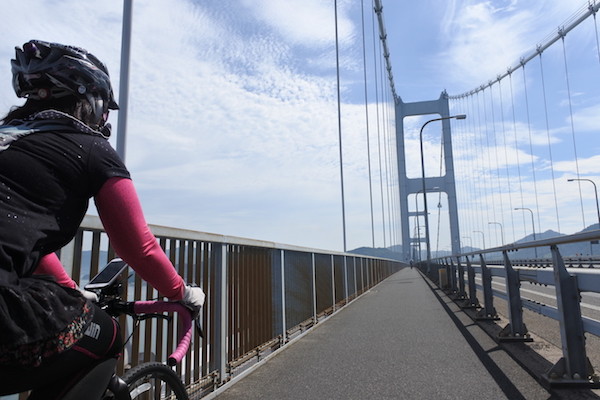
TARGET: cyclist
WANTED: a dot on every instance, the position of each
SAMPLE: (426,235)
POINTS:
(54,157)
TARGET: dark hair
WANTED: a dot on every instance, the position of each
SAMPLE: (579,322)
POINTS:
(76,107)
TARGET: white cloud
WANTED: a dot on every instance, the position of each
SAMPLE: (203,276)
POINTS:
(586,119)
(482,39)
(308,23)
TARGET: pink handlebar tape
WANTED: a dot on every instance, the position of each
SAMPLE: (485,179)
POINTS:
(184,316)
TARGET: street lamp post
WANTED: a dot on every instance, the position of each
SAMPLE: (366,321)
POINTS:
(482,238)
(124,78)
(419,236)
(417,256)
(595,192)
(470,241)
(501,230)
(417,213)
(532,225)
(424,189)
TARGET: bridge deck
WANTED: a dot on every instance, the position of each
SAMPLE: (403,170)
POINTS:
(401,340)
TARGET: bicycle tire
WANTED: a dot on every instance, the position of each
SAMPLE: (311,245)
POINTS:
(148,380)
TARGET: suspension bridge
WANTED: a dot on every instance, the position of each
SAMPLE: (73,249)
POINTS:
(486,204)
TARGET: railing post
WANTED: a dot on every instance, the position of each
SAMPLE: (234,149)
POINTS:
(278,282)
(452,277)
(516,329)
(355,278)
(446,267)
(472,301)
(488,312)
(283,304)
(574,367)
(331,257)
(220,253)
(345,280)
(314,288)
(461,295)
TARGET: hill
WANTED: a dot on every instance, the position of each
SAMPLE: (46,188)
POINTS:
(567,250)
(382,252)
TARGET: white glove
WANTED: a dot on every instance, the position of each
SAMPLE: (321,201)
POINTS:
(91,296)
(193,297)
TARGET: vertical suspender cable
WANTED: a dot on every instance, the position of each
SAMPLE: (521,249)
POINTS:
(572,123)
(439,207)
(457,142)
(512,98)
(384,125)
(378,129)
(549,145)
(508,187)
(470,183)
(497,166)
(388,163)
(364,48)
(537,204)
(465,179)
(475,188)
(593,11)
(393,168)
(489,161)
(482,166)
(339,109)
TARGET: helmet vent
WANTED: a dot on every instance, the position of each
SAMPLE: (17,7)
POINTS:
(31,50)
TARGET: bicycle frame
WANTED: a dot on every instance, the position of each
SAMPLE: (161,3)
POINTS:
(99,379)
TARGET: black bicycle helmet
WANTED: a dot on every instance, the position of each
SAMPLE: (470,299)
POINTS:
(43,70)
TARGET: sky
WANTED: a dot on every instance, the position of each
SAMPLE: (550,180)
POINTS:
(233,114)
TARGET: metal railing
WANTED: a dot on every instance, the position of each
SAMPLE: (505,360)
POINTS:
(569,278)
(259,295)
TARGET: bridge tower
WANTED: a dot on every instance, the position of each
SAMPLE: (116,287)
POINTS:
(408,186)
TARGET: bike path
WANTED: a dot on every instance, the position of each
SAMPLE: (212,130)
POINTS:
(400,340)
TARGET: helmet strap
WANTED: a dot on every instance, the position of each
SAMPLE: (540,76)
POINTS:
(106,130)
(99,108)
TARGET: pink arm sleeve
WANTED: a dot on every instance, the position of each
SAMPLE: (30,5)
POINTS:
(51,265)
(121,213)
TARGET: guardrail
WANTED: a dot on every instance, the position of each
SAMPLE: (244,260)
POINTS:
(569,279)
(259,295)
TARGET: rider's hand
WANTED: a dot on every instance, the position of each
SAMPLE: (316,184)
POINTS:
(193,298)
(91,296)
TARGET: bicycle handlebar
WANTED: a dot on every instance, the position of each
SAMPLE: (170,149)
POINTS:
(185,317)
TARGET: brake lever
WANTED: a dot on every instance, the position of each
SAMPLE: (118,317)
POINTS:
(198,323)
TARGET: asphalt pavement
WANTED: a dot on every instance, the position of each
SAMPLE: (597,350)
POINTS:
(403,339)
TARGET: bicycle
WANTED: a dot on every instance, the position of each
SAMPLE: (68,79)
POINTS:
(149,380)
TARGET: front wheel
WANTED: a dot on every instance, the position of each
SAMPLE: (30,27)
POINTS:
(153,380)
